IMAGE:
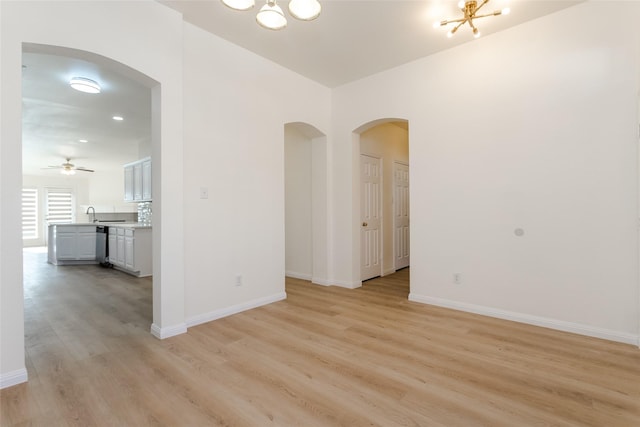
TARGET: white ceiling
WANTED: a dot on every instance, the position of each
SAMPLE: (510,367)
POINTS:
(350,40)
(56,117)
(355,38)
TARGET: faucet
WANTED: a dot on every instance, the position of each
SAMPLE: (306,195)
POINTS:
(93,211)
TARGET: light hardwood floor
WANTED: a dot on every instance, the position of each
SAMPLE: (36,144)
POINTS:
(326,356)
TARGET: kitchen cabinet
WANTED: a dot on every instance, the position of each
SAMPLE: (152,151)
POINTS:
(128,183)
(137,181)
(130,249)
(146,180)
(72,244)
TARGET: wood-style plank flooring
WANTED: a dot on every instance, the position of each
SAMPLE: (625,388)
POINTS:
(326,356)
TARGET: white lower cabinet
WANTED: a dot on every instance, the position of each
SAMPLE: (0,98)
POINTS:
(130,250)
(72,244)
(86,241)
(65,246)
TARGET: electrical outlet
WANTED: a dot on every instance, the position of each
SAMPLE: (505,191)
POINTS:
(238,280)
(457,278)
(204,193)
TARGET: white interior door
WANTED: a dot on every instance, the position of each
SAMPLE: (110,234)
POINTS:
(401,215)
(370,213)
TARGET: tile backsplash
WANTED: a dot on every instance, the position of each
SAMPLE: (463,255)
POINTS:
(144,213)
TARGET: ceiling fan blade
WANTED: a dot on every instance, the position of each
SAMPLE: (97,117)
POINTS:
(52,167)
(84,169)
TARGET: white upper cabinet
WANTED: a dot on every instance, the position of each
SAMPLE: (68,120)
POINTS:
(137,181)
(128,183)
(146,179)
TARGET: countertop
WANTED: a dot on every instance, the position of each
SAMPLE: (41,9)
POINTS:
(108,224)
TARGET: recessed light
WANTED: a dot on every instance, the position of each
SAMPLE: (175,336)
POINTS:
(84,85)
(84,141)
(118,118)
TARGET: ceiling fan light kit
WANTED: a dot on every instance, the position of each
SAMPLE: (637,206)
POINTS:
(470,10)
(271,15)
(68,168)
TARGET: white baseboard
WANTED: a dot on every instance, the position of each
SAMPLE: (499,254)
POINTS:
(559,325)
(234,309)
(12,378)
(322,282)
(348,285)
(168,332)
(297,275)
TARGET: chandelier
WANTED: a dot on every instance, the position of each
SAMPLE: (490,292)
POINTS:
(470,9)
(271,16)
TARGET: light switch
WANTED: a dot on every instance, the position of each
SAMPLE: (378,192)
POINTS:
(204,193)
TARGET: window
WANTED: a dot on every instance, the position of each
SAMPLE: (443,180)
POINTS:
(29,213)
(60,206)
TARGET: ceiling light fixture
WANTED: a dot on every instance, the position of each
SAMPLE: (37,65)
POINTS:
(84,85)
(470,9)
(67,171)
(118,118)
(271,16)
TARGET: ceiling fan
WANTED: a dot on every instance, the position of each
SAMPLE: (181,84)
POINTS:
(68,168)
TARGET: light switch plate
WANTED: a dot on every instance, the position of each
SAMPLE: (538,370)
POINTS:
(204,193)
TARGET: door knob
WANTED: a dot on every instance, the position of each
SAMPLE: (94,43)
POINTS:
(364,224)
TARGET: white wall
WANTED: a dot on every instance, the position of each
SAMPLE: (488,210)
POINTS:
(389,143)
(543,138)
(298,213)
(234,147)
(111,29)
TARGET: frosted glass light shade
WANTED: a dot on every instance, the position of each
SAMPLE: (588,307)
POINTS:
(239,4)
(84,85)
(305,10)
(271,16)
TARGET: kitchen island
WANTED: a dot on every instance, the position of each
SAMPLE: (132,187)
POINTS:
(72,244)
(129,246)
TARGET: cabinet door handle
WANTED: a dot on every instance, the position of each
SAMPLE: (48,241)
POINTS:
(364,224)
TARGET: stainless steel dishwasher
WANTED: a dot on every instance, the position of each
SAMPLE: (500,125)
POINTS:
(102,245)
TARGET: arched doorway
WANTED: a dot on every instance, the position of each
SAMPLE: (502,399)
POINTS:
(381,174)
(306,215)
(56,119)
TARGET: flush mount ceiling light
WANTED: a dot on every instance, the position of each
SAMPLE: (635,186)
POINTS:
(470,9)
(84,85)
(271,16)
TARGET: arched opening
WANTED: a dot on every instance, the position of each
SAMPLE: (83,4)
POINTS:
(306,217)
(106,183)
(381,197)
